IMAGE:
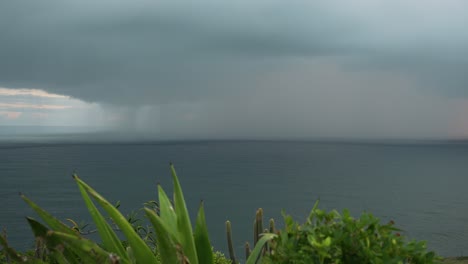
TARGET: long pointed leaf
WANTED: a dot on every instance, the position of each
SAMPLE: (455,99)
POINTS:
(51,221)
(87,251)
(108,236)
(142,252)
(183,221)
(166,241)
(167,212)
(40,232)
(202,241)
(254,256)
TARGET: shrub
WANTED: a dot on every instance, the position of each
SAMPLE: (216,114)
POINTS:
(334,238)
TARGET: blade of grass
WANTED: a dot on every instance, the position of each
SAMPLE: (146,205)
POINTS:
(256,252)
(202,241)
(108,236)
(142,252)
(51,221)
(165,240)
(184,226)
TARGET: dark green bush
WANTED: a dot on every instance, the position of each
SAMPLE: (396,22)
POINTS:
(330,237)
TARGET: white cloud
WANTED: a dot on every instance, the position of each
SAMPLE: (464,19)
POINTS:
(32,106)
(37,107)
(29,92)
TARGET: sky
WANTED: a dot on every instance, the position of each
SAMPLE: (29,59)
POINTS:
(237,69)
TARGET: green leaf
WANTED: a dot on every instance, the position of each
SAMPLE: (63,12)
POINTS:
(40,232)
(109,238)
(142,252)
(51,221)
(183,221)
(166,241)
(256,252)
(130,255)
(202,241)
(327,242)
(313,212)
(86,250)
(166,211)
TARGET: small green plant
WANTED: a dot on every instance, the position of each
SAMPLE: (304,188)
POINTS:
(339,238)
(176,242)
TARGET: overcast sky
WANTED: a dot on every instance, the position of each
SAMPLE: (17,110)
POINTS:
(259,69)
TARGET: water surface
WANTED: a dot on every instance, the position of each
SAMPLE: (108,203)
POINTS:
(422,187)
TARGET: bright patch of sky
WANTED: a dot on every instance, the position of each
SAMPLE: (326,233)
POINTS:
(33,107)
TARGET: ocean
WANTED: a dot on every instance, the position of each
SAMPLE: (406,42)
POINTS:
(422,186)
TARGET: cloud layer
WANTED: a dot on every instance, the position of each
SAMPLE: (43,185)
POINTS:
(244,61)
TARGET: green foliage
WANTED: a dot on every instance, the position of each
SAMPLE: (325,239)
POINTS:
(328,237)
(172,241)
(219,258)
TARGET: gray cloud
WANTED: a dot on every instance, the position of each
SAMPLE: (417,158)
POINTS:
(227,62)
(158,51)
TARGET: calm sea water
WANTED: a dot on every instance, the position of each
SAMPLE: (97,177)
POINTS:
(422,187)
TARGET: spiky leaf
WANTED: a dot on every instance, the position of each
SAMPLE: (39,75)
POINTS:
(51,221)
(183,221)
(166,241)
(202,241)
(142,252)
(109,238)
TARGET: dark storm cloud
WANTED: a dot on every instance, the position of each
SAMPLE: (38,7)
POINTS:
(142,52)
(243,68)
